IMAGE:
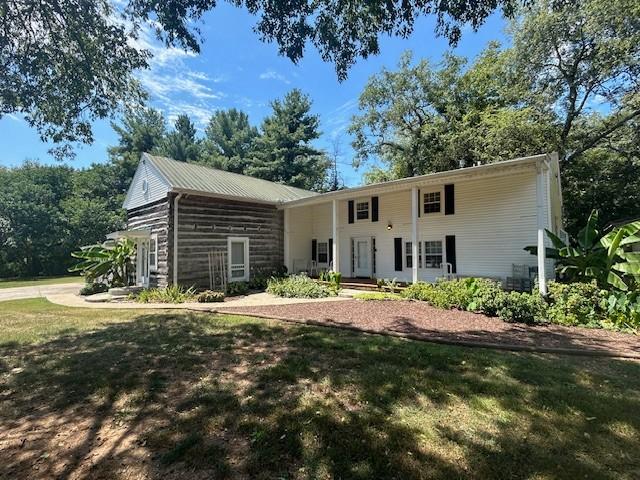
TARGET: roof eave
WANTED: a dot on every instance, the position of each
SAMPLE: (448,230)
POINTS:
(419,180)
(198,193)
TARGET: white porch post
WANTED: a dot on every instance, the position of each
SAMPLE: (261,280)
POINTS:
(414,234)
(334,233)
(541,216)
(287,246)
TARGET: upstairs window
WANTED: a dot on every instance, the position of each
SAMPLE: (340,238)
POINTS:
(362,210)
(433,254)
(431,202)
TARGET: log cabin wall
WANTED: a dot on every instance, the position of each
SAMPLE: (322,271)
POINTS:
(155,217)
(205,223)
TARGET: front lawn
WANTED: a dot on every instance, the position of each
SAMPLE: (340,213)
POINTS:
(141,394)
(38,281)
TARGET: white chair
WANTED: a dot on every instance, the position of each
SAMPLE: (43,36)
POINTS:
(313,268)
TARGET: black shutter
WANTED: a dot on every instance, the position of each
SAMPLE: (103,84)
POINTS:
(449,200)
(450,243)
(374,209)
(331,251)
(420,207)
(314,249)
(350,211)
(397,249)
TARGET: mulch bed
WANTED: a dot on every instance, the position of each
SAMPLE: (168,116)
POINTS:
(418,320)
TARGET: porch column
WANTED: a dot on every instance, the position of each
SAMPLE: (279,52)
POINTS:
(287,246)
(542,277)
(334,233)
(414,234)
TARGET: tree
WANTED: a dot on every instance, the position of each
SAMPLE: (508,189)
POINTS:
(334,182)
(284,152)
(141,130)
(424,118)
(64,63)
(181,144)
(583,62)
(229,141)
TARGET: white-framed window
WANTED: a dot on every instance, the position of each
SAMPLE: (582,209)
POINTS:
(362,210)
(408,254)
(433,254)
(238,255)
(431,202)
(153,252)
(323,252)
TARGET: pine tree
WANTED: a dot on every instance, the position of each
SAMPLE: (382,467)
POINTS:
(284,152)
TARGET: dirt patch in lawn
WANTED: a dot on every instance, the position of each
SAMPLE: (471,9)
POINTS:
(418,320)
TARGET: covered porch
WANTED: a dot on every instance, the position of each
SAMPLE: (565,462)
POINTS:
(146,253)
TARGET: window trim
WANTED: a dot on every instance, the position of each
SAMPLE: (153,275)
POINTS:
(153,267)
(244,240)
(326,244)
(442,253)
(441,201)
(360,202)
(408,254)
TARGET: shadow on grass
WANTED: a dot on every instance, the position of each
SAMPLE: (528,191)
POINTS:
(196,396)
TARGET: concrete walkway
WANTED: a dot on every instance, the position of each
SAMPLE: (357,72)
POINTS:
(18,293)
(253,300)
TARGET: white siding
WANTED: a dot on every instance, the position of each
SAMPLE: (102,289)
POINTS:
(157,189)
(495,218)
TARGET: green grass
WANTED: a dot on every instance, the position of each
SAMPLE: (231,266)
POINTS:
(378,296)
(37,281)
(186,395)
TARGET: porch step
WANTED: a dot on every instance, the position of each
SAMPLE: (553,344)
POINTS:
(369,287)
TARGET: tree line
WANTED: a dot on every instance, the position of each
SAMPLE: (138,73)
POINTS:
(47,211)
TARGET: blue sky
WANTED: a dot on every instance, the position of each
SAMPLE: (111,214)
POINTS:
(235,69)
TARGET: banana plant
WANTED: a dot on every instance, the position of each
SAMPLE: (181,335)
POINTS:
(605,258)
(106,261)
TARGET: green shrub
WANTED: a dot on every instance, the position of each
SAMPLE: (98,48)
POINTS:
(622,309)
(170,294)
(237,288)
(333,279)
(210,296)
(520,307)
(298,286)
(260,276)
(575,304)
(93,288)
(432,293)
(378,296)
(484,296)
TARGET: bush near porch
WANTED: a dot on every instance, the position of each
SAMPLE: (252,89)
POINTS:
(299,286)
(571,304)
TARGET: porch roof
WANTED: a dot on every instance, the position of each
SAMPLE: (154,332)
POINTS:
(141,234)
(438,177)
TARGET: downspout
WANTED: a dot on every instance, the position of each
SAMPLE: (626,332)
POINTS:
(175,238)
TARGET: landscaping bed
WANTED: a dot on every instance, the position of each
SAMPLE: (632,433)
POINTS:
(418,320)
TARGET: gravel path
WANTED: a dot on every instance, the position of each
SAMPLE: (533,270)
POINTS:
(419,321)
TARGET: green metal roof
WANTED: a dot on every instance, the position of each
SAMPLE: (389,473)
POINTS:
(191,177)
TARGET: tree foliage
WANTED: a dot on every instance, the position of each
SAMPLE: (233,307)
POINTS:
(65,63)
(283,153)
(229,141)
(181,144)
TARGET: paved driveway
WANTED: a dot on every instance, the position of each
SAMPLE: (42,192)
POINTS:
(18,293)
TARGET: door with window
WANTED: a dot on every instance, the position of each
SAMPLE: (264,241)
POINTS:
(362,257)
(238,255)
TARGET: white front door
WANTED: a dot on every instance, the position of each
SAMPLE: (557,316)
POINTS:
(362,257)
(238,255)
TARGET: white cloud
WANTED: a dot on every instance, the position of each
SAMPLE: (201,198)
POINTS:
(339,118)
(273,75)
(199,114)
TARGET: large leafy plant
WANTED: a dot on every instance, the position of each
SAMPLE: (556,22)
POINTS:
(111,261)
(604,258)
